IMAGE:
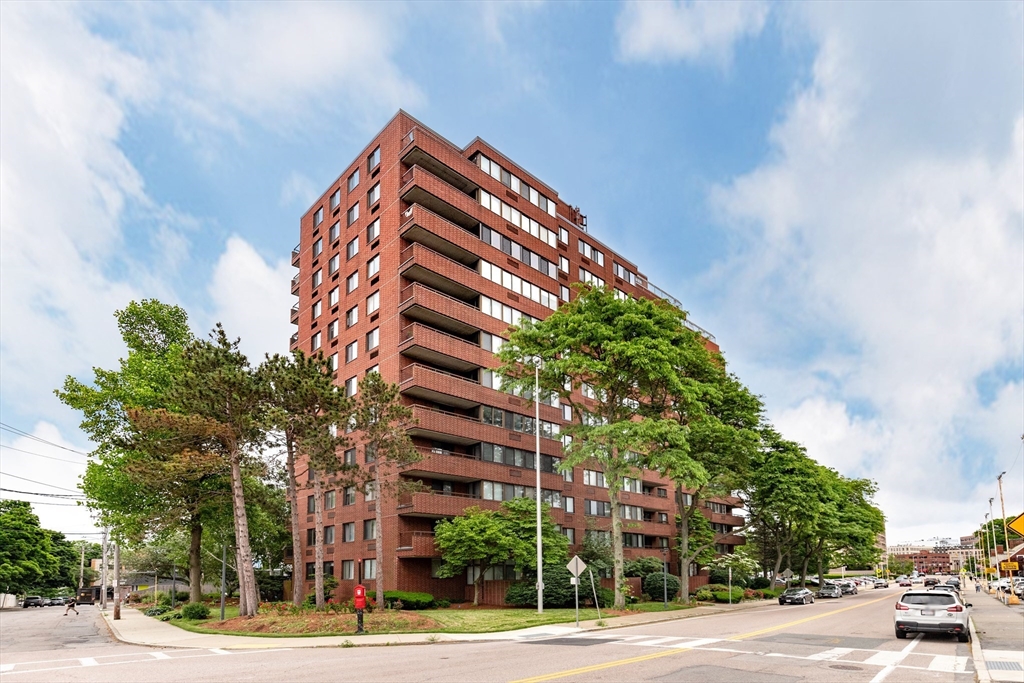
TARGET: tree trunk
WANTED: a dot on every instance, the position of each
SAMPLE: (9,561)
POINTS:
(241,593)
(803,573)
(378,542)
(477,585)
(318,540)
(684,544)
(821,568)
(195,561)
(246,575)
(298,568)
(778,559)
(618,562)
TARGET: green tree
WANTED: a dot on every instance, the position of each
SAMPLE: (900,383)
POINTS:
(68,556)
(619,363)
(900,566)
(596,551)
(26,550)
(381,423)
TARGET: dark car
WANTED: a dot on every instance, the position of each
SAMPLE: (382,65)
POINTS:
(830,591)
(33,601)
(953,582)
(931,581)
(848,588)
(796,596)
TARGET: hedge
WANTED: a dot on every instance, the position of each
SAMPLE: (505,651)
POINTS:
(723,596)
(409,600)
(654,587)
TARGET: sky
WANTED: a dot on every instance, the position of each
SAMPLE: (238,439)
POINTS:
(835,190)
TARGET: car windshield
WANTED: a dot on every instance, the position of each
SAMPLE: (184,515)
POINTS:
(793,591)
(937,598)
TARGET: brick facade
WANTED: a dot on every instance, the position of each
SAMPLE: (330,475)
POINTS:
(431,338)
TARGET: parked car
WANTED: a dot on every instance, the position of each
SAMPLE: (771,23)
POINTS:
(830,591)
(881,583)
(32,601)
(938,611)
(57,601)
(848,588)
(953,581)
(796,596)
(930,581)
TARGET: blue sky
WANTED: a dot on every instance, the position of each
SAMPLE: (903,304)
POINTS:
(835,190)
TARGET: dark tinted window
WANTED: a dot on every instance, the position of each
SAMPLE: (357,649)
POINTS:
(794,591)
(937,598)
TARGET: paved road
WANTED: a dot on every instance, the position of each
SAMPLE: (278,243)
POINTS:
(850,639)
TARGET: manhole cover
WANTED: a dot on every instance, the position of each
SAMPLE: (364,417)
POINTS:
(845,667)
(1004,666)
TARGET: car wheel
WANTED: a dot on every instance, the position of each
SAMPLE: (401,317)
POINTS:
(812,600)
(963,637)
(901,634)
(782,602)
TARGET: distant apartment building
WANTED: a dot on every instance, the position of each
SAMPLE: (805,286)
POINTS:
(413,264)
(928,561)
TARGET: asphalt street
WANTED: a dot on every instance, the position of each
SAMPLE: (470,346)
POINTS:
(849,639)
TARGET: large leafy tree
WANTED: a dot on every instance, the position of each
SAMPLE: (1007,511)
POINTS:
(305,409)
(620,364)
(382,423)
(26,549)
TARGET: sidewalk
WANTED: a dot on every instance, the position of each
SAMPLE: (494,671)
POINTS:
(998,630)
(136,628)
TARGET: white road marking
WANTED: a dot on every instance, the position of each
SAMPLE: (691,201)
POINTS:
(655,642)
(696,643)
(159,655)
(948,663)
(6,667)
(139,661)
(218,651)
(88,661)
(881,675)
(831,655)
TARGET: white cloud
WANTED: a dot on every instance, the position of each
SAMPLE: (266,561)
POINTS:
(251,298)
(687,30)
(879,268)
(299,189)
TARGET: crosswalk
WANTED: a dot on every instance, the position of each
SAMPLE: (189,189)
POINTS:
(859,656)
(138,657)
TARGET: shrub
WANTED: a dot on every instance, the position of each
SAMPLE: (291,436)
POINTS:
(653,585)
(723,596)
(759,582)
(404,599)
(717,587)
(558,590)
(195,611)
(721,576)
(704,595)
(442,603)
(770,593)
(157,611)
(643,566)
(605,596)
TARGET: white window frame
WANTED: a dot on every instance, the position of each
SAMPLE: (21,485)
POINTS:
(373,266)
(373,302)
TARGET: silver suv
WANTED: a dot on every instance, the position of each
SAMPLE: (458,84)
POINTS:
(932,612)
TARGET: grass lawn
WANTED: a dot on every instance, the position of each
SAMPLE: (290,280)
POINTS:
(657,607)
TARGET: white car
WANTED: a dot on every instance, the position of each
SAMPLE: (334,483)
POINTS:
(932,611)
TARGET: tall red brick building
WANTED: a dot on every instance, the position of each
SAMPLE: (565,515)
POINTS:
(413,263)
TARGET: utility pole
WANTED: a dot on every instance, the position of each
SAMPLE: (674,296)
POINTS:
(81,569)
(117,581)
(103,573)
(995,545)
(984,540)
(1011,598)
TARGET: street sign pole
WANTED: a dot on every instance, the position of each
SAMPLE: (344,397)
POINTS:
(576,567)
(593,587)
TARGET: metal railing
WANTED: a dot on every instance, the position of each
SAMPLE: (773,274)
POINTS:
(675,302)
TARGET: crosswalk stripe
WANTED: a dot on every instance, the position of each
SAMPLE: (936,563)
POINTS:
(88,661)
(830,655)
(656,641)
(159,655)
(886,658)
(948,663)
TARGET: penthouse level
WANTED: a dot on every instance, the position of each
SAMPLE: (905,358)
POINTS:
(413,264)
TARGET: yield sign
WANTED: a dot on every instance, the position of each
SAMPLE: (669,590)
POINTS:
(1017,525)
(576,566)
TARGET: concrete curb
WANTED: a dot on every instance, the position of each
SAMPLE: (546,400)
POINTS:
(978,655)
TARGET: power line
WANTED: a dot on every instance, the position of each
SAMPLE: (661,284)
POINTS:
(48,495)
(36,438)
(40,455)
(41,483)
(36,502)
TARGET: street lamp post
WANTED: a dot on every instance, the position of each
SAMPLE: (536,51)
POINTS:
(992,531)
(536,463)
(1011,598)
(664,574)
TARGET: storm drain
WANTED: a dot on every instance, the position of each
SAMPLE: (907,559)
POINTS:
(1004,666)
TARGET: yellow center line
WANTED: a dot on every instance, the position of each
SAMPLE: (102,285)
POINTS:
(677,650)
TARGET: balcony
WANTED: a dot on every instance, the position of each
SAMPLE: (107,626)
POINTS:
(423,304)
(294,340)
(426,266)
(416,544)
(420,186)
(719,518)
(425,344)
(423,226)
(295,285)
(438,504)
(295,314)
(423,148)
(442,425)
(732,539)
(461,467)
(438,386)
(295,255)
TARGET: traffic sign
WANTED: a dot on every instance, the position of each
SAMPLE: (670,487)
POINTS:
(1018,524)
(1009,566)
(788,574)
(576,565)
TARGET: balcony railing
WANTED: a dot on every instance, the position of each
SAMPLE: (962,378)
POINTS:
(407,215)
(295,314)
(407,373)
(294,339)
(407,255)
(295,255)
(409,292)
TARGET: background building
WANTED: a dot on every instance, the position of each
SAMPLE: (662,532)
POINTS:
(413,263)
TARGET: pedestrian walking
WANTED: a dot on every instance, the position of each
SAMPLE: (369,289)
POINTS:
(977,586)
(71,606)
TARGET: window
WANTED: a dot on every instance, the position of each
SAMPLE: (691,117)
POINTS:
(517,251)
(369,529)
(348,571)
(622,273)
(591,253)
(330,500)
(563,235)
(310,570)
(369,569)
(332,330)
(335,200)
(310,537)
(352,248)
(351,387)
(335,231)
(351,316)
(517,284)
(370,490)
(329,535)
(590,278)
(567,413)
(318,217)
(315,342)
(570,534)
(310,504)
(491,342)
(597,508)
(350,456)
(318,278)
(517,218)
(372,231)
(632,485)
(333,361)
(348,532)
(594,478)
(563,264)
(334,264)
(352,282)
(373,161)
(373,196)
(569,504)
(351,352)
(563,292)
(373,266)
(370,454)
(373,339)
(372,302)
(353,180)
(334,297)
(373,368)
(317,309)
(353,214)
(620,295)
(318,247)
(348,495)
